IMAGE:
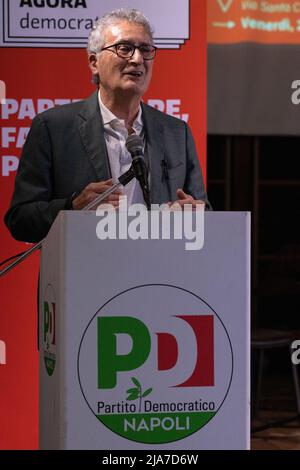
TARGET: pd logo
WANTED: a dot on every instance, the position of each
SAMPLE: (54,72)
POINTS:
(155,364)
(110,362)
(48,329)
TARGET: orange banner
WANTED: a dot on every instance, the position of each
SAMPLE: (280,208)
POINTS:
(268,22)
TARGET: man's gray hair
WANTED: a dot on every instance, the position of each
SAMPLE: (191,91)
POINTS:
(97,34)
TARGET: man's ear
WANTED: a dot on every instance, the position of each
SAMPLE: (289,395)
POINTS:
(93,62)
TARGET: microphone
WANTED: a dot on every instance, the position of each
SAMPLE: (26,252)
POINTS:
(134,145)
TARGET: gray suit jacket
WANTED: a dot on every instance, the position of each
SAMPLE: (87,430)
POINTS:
(65,150)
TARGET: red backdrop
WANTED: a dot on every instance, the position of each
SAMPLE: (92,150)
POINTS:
(39,73)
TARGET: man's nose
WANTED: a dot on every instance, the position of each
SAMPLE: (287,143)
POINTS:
(137,56)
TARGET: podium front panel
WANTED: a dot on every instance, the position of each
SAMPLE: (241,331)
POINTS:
(144,344)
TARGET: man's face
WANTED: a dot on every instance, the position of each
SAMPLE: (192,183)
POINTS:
(125,77)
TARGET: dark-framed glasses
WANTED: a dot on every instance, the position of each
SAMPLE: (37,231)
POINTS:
(125,50)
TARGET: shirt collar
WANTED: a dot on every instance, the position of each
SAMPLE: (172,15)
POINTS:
(108,117)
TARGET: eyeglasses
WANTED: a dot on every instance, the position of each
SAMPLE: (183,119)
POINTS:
(125,50)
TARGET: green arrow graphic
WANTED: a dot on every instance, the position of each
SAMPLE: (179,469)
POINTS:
(229,24)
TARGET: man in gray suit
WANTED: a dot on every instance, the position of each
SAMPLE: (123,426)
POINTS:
(74,152)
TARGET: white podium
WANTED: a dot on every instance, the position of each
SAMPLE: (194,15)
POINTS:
(143,344)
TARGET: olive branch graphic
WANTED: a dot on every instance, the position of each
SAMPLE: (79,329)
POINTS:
(136,392)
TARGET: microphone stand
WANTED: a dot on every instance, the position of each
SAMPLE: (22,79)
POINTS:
(123,180)
(146,194)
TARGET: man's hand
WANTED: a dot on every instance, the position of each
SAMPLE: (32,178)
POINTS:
(183,199)
(92,190)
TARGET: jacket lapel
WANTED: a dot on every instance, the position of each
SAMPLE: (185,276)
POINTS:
(91,130)
(154,153)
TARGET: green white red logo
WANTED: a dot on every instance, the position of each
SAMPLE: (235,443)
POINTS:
(49,329)
(148,364)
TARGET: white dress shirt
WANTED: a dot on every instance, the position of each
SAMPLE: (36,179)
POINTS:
(115,134)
